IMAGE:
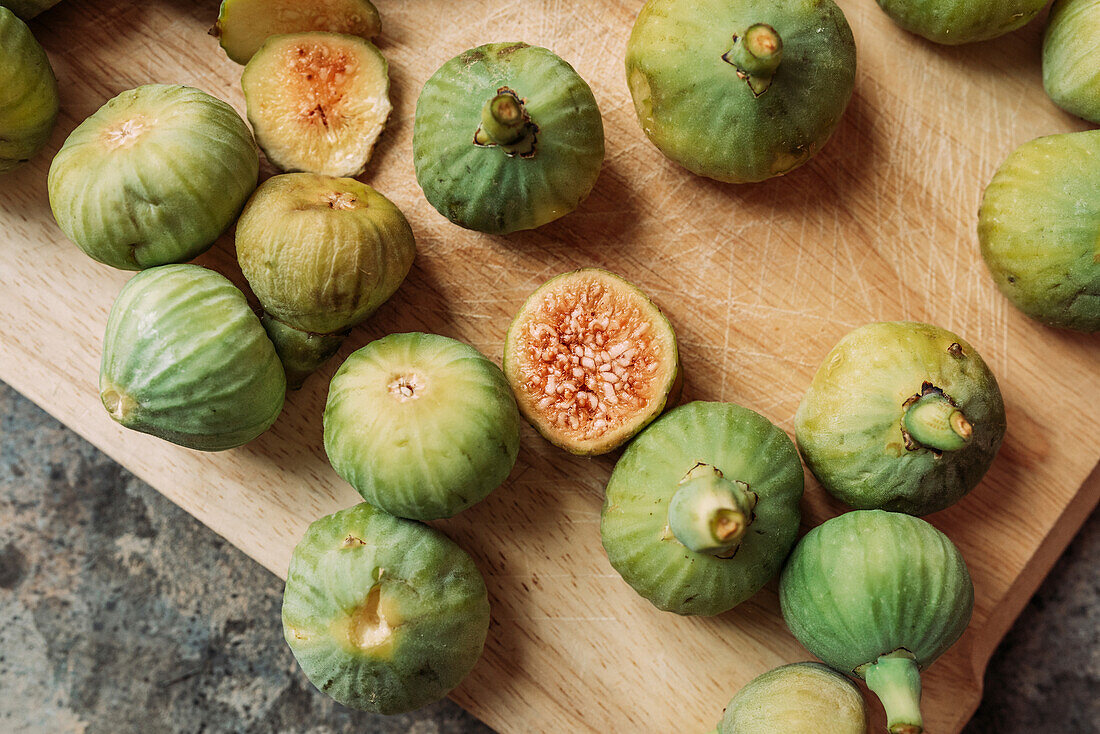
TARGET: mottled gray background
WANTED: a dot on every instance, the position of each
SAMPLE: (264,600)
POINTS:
(120,613)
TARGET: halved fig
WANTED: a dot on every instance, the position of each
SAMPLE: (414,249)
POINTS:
(244,25)
(317,101)
(591,360)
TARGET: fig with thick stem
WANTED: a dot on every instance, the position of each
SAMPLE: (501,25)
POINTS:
(709,513)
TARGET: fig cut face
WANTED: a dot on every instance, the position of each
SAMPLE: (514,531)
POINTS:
(244,25)
(591,359)
(317,101)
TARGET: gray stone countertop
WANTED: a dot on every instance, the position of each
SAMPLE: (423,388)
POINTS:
(122,613)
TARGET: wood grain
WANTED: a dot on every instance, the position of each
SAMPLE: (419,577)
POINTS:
(760,281)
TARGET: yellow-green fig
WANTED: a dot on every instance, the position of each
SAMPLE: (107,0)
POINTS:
(28,93)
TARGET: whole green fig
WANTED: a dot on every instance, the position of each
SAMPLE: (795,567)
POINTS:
(1071,57)
(740,90)
(961,21)
(879,595)
(507,137)
(1039,227)
(801,698)
(28,93)
(901,416)
(702,508)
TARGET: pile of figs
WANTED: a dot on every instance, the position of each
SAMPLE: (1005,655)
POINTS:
(384,612)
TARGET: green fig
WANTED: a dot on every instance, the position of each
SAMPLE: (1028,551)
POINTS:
(1071,57)
(739,90)
(801,698)
(961,21)
(507,137)
(383,614)
(244,25)
(321,254)
(28,93)
(1039,227)
(702,508)
(879,595)
(901,416)
(186,360)
(421,425)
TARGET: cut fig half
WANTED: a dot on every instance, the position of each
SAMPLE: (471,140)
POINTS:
(591,360)
(244,25)
(317,101)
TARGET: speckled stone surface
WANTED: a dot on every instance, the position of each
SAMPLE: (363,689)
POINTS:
(121,613)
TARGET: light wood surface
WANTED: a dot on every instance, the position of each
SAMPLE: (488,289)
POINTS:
(760,281)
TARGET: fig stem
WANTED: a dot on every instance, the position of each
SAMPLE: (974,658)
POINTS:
(503,120)
(756,55)
(709,513)
(895,679)
(933,421)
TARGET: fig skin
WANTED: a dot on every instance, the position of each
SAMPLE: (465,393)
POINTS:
(953,22)
(850,429)
(880,595)
(383,614)
(497,188)
(1039,224)
(800,698)
(742,445)
(185,359)
(153,177)
(27,9)
(28,93)
(421,425)
(321,254)
(699,107)
(244,25)
(1071,57)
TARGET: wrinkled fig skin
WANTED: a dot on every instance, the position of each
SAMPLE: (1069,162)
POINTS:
(953,22)
(502,188)
(1071,57)
(742,445)
(849,423)
(869,584)
(421,425)
(383,614)
(153,177)
(244,25)
(185,359)
(695,105)
(321,254)
(797,699)
(27,9)
(28,93)
(1039,227)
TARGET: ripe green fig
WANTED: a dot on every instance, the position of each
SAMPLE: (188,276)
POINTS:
(801,698)
(507,137)
(739,90)
(153,177)
(383,614)
(591,360)
(901,416)
(186,360)
(879,595)
(28,93)
(702,508)
(961,21)
(1071,57)
(321,254)
(27,9)
(421,425)
(1039,227)
(244,25)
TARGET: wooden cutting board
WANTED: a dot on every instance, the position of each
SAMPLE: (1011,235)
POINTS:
(760,281)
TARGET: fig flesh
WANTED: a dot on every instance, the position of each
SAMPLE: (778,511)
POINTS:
(244,25)
(801,698)
(28,93)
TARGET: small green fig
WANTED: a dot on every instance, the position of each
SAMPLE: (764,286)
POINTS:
(702,508)
(1039,227)
(28,93)
(186,360)
(901,416)
(421,425)
(383,614)
(507,137)
(321,254)
(1071,57)
(153,177)
(244,25)
(879,595)
(801,698)
(961,21)
(739,90)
